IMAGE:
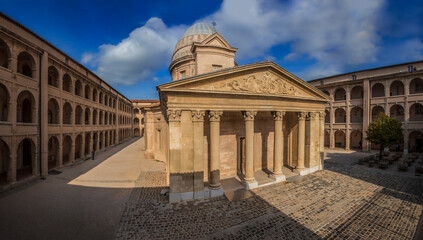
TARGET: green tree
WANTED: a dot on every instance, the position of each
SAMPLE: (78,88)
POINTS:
(385,131)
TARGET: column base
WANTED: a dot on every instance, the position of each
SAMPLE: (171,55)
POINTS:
(250,184)
(209,193)
(189,196)
(278,178)
(305,171)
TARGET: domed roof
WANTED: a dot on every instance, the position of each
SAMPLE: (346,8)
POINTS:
(196,33)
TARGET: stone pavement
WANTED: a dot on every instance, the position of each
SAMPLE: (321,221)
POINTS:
(343,201)
(85,201)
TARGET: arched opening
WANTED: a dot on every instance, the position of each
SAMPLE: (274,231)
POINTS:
(106,118)
(357,92)
(67,113)
(356,115)
(87,143)
(326,92)
(136,121)
(339,139)
(376,111)
(397,88)
(95,117)
(26,159)
(327,139)
(95,141)
(136,111)
(416,141)
(110,101)
(87,116)
(78,115)
(378,90)
(114,103)
(67,83)
(136,132)
(67,146)
(106,139)
(416,112)
(4,103)
(114,119)
(110,118)
(397,112)
(78,88)
(356,139)
(100,118)
(95,95)
(4,162)
(26,64)
(87,91)
(101,141)
(53,111)
(327,117)
(4,54)
(53,76)
(53,152)
(26,107)
(105,100)
(340,94)
(416,86)
(100,97)
(340,116)
(78,147)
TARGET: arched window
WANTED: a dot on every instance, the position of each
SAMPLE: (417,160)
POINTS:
(87,116)
(67,113)
(356,115)
(340,116)
(356,139)
(53,111)
(26,159)
(105,100)
(357,92)
(4,161)
(67,146)
(340,94)
(397,88)
(53,76)
(53,152)
(25,107)
(416,112)
(397,112)
(4,54)
(67,83)
(78,115)
(136,111)
(95,117)
(416,86)
(95,95)
(100,118)
(78,88)
(416,141)
(87,91)
(26,64)
(78,147)
(100,97)
(136,121)
(340,139)
(4,103)
(378,90)
(110,101)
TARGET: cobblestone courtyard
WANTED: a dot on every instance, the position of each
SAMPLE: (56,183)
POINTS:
(342,202)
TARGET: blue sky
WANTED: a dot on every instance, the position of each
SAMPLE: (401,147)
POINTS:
(129,43)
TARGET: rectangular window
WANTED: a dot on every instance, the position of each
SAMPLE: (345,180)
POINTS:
(217,67)
(183,74)
(410,68)
(354,77)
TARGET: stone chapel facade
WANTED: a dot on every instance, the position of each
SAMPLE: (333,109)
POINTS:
(218,120)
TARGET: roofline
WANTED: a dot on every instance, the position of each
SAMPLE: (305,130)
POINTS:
(364,70)
(55,48)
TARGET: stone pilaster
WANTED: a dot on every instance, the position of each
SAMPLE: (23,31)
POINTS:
(198,144)
(249,180)
(176,177)
(278,146)
(301,140)
(214,175)
(322,138)
(44,114)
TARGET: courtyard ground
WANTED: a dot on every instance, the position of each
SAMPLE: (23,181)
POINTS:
(118,196)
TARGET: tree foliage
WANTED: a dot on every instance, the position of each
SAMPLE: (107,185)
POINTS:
(385,131)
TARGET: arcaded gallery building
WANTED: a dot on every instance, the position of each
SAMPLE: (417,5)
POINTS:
(219,120)
(54,111)
(357,98)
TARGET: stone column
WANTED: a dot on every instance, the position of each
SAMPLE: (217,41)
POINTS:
(198,144)
(367,113)
(44,114)
(249,180)
(348,120)
(331,138)
(278,147)
(301,140)
(60,160)
(214,175)
(90,149)
(175,177)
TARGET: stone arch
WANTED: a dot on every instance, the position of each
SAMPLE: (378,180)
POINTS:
(340,115)
(397,88)
(397,112)
(110,101)
(87,90)
(26,159)
(95,95)
(376,111)
(78,88)
(416,141)
(340,139)
(100,118)
(356,115)
(87,116)
(66,149)
(416,112)
(53,152)
(136,111)
(95,117)
(4,54)
(416,86)
(53,111)
(136,132)
(26,110)
(340,94)
(106,99)
(26,64)
(136,121)
(4,103)
(356,139)
(95,141)
(4,162)
(100,97)
(327,139)
(106,118)
(357,92)
(78,147)
(378,90)
(67,83)
(327,117)
(87,143)
(78,115)
(67,113)
(53,76)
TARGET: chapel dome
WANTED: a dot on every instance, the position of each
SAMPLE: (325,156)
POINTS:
(196,33)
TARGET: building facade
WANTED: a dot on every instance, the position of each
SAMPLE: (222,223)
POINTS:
(139,117)
(218,120)
(357,99)
(54,111)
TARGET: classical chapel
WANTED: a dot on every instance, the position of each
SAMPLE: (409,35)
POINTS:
(218,120)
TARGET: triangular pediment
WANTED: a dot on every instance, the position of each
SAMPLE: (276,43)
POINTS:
(263,79)
(215,40)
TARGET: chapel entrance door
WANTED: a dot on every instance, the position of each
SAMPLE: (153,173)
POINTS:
(241,161)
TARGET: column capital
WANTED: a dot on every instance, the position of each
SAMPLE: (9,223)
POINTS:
(174,115)
(302,115)
(313,115)
(278,115)
(198,115)
(322,115)
(214,115)
(249,115)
